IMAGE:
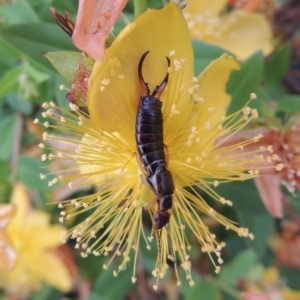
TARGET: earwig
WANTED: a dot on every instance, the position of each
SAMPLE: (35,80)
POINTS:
(150,147)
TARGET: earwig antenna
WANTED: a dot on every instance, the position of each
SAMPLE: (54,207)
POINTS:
(126,164)
(173,253)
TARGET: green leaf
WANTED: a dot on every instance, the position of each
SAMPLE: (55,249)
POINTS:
(67,62)
(110,287)
(19,12)
(5,179)
(275,69)
(255,223)
(37,76)
(202,290)
(277,65)
(253,214)
(7,133)
(289,104)
(43,293)
(238,268)
(262,103)
(244,196)
(19,104)
(245,81)
(33,38)
(291,275)
(60,95)
(28,172)
(95,296)
(205,53)
(8,55)
(43,8)
(9,83)
(23,79)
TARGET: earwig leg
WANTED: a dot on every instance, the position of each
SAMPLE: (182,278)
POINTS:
(150,205)
(143,85)
(127,161)
(166,153)
(141,165)
(159,88)
(145,181)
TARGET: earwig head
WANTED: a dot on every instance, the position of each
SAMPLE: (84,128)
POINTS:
(145,86)
(161,219)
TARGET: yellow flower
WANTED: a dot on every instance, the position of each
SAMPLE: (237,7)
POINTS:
(238,31)
(33,239)
(194,112)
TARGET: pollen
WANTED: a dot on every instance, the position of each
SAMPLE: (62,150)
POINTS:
(105,81)
(253,96)
(254,113)
(270,149)
(257,138)
(191,283)
(172,53)
(74,107)
(216,183)
(279,167)
(208,125)
(222,200)
(169,70)
(174,110)
(211,211)
(246,111)
(42,176)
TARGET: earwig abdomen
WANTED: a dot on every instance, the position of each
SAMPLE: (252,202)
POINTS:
(150,146)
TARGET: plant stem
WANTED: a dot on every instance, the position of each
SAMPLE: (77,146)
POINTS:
(140,7)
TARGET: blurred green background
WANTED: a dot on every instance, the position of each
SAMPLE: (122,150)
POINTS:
(27,79)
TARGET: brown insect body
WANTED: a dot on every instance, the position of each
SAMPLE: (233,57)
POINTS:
(150,146)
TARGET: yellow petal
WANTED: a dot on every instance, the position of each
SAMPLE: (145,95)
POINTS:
(244,33)
(37,218)
(212,90)
(291,294)
(271,275)
(22,202)
(114,108)
(44,237)
(205,7)
(47,267)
